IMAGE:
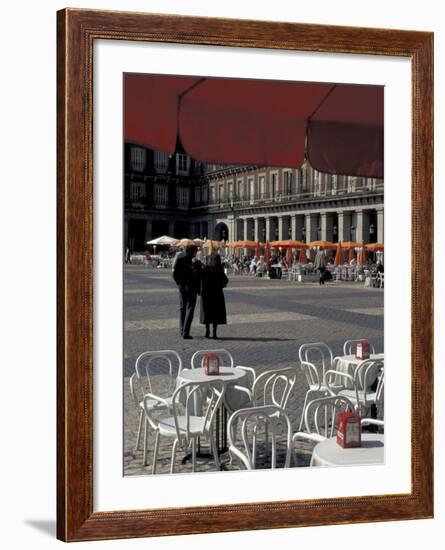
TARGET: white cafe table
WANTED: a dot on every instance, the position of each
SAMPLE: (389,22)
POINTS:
(348,363)
(230,376)
(329,453)
(233,399)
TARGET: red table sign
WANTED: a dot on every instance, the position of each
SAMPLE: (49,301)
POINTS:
(349,430)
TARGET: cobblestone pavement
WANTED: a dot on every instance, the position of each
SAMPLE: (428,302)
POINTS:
(267,322)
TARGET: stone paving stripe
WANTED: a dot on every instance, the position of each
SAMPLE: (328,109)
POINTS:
(252,318)
(366,310)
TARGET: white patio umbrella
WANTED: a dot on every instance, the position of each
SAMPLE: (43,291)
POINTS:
(164,240)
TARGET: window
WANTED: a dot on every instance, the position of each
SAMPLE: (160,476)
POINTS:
(205,194)
(137,191)
(161,162)
(299,181)
(240,184)
(251,187)
(213,194)
(183,196)
(333,182)
(230,189)
(160,195)
(274,184)
(197,195)
(221,192)
(138,159)
(182,164)
(262,186)
(287,183)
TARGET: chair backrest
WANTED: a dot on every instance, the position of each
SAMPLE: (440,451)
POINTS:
(366,373)
(153,366)
(224,355)
(315,359)
(273,387)
(350,346)
(320,415)
(247,423)
(196,399)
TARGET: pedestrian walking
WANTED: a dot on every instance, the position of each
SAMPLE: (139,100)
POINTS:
(213,305)
(187,276)
(320,264)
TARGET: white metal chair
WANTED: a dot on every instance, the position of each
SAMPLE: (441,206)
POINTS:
(350,346)
(367,384)
(320,418)
(151,366)
(380,280)
(186,424)
(272,387)
(315,360)
(244,446)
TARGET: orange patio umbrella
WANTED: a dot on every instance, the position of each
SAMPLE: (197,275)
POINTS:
(290,243)
(186,242)
(347,245)
(362,256)
(322,244)
(243,244)
(339,255)
(302,258)
(266,252)
(351,254)
(375,247)
(212,244)
(289,256)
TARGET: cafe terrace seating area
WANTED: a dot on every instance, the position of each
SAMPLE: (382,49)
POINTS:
(216,411)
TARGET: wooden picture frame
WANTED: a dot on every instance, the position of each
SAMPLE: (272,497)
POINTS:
(77,31)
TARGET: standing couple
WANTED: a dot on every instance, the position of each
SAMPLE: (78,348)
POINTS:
(193,278)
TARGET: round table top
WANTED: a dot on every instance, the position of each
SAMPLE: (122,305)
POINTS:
(228,375)
(329,453)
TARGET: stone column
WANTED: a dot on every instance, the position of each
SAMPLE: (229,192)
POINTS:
(380,226)
(293,226)
(324,226)
(245,237)
(280,228)
(359,233)
(344,226)
(268,229)
(311,227)
(256,236)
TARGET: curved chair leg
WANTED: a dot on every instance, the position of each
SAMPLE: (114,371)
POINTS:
(145,462)
(302,412)
(172,466)
(155,453)
(215,454)
(193,454)
(138,439)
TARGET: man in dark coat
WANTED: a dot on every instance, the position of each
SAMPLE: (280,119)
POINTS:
(187,276)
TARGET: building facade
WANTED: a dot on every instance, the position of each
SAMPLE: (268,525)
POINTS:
(180,197)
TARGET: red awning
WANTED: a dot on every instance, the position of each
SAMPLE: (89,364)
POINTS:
(235,121)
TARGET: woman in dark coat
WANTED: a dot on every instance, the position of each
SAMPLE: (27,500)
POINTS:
(213,305)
